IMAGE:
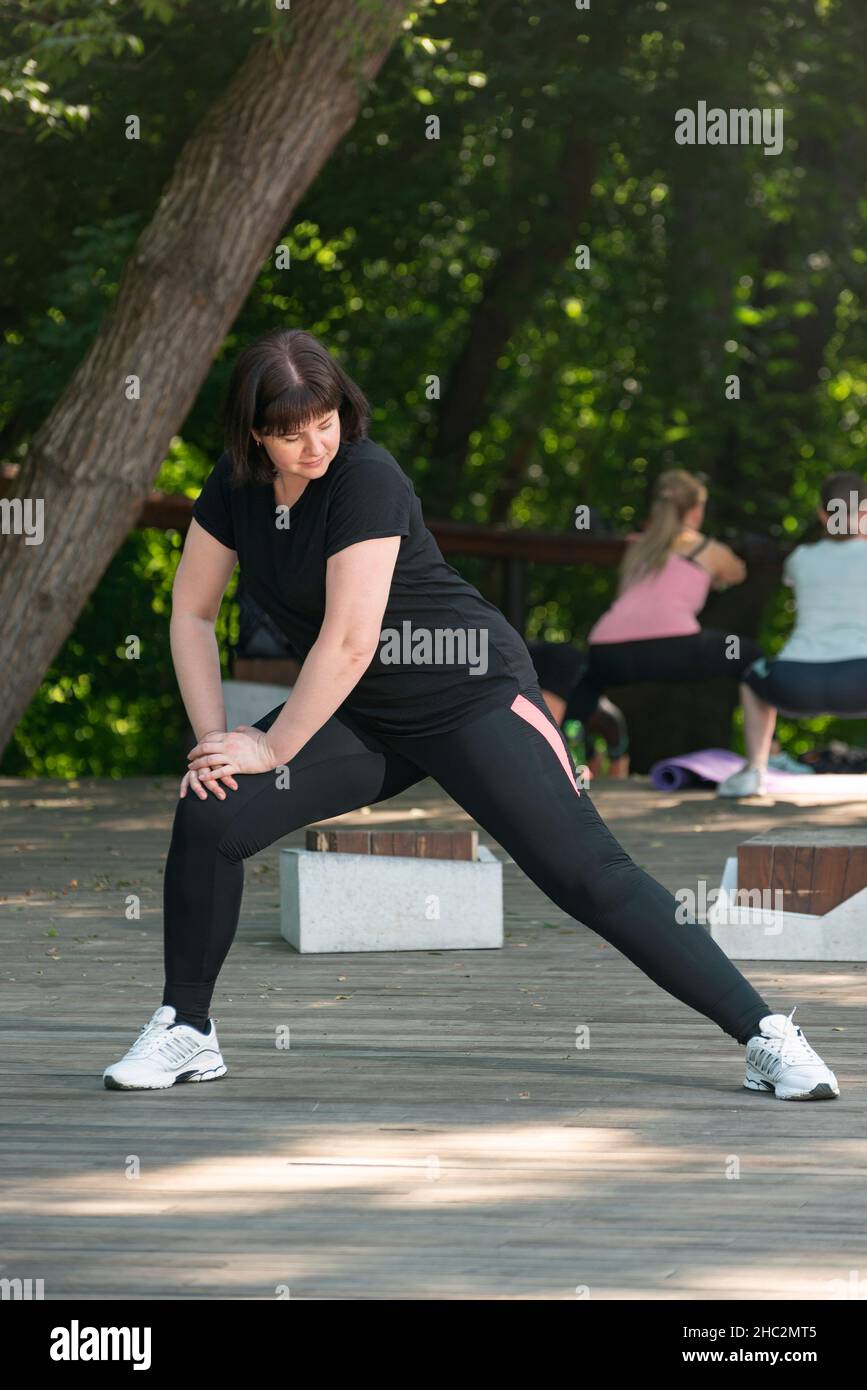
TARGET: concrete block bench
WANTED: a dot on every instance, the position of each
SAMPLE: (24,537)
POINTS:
(401,890)
(795,895)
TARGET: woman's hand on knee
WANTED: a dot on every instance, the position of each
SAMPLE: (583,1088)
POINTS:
(204,780)
(202,783)
(221,754)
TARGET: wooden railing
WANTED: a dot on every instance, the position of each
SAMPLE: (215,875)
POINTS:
(514,548)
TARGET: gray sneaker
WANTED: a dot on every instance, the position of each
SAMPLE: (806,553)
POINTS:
(750,781)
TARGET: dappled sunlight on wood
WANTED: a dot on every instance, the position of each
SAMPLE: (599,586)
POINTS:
(495,1165)
(434,1128)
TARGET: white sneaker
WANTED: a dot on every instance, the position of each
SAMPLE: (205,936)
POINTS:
(750,781)
(780,1059)
(166,1053)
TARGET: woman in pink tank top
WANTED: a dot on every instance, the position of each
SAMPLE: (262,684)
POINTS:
(660,603)
(651,632)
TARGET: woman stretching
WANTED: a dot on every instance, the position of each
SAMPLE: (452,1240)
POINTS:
(408,672)
(822,669)
(651,631)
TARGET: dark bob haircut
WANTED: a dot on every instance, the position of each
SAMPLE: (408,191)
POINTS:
(278,385)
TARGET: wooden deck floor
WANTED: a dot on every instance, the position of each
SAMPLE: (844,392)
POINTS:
(432,1132)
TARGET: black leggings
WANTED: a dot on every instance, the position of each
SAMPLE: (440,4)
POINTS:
(697,656)
(797,688)
(510,768)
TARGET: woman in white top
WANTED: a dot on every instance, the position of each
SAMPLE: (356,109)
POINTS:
(822,669)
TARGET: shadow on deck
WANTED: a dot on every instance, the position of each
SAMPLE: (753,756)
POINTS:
(432,1132)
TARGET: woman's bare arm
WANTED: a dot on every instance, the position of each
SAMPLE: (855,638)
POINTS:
(725,566)
(722,564)
(357,582)
(200,581)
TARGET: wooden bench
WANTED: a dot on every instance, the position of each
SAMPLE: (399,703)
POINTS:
(417,844)
(391,890)
(794,894)
(814,869)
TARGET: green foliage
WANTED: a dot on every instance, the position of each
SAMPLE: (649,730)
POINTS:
(704,262)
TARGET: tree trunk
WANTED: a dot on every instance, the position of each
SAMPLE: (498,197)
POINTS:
(523,270)
(233,190)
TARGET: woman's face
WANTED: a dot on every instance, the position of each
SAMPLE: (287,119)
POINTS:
(308,453)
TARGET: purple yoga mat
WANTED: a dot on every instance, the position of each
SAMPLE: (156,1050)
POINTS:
(709,766)
(695,769)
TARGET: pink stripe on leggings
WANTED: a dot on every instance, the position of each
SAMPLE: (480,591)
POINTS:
(533,715)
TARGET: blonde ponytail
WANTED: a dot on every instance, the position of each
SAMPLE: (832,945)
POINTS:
(675,492)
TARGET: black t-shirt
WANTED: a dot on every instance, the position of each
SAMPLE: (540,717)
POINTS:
(445,653)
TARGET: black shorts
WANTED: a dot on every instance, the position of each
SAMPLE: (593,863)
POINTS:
(697,656)
(812,687)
